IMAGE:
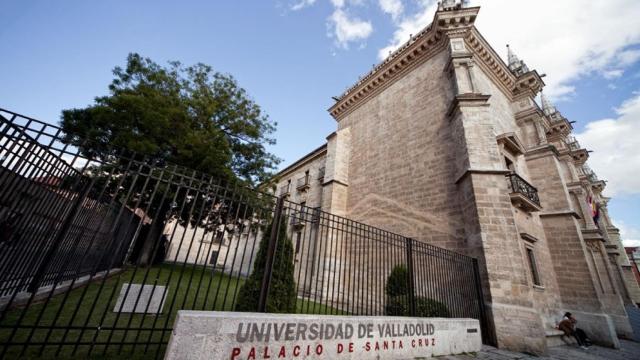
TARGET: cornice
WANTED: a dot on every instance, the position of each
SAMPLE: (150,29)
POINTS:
(426,44)
(320,151)
(530,238)
(528,85)
(580,156)
(493,65)
(334,181)
(412,54)
(466,100)
(532,113)
(541,151)
(571,213)
(416,51)
(514,87)
(470,171)
(511,142)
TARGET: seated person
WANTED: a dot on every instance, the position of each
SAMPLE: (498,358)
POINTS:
(568,326)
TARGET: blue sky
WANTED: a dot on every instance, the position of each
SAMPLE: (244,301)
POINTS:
(293,55)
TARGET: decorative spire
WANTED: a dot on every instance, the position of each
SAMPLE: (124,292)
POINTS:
(547,106)
(513,58)
(448,5)
(517,66)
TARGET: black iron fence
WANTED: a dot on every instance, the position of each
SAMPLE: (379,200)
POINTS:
(97,255)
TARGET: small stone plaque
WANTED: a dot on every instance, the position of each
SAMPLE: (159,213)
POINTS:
(150,299)
(229,335)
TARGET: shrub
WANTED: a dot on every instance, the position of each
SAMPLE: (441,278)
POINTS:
(282,292)
(397,291)
(397,306)
(425,307)
(397,281)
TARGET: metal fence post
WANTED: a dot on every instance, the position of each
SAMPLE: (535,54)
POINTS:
(271,250)
(410,280)
(484,325)
(60,236)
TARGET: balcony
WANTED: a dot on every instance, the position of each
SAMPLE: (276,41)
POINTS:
(523,194)
(298,220)
(321,174)
(579,154)
(304,216)
(591,176)
(572,143)
(303,183)
(284,190)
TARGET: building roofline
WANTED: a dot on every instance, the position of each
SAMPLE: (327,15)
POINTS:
(311,155)
(417,49)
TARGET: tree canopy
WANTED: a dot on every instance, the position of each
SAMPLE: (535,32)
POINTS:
(191,116)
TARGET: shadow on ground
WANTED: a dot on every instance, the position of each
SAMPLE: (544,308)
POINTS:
(629,350)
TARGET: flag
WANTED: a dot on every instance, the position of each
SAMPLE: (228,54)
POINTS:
(594,207)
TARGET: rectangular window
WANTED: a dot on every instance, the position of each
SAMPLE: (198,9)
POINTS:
(303,210)
(533,266)
(214,258)
(298,241)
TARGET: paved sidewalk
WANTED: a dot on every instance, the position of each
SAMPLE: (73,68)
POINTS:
(629,350)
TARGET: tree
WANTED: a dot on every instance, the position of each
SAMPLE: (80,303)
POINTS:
(282,293)
(191,116)
(397,291)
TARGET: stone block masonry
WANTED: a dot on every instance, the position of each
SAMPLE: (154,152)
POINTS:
(423,145)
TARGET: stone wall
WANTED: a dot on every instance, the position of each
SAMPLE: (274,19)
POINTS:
(315,166)
(401,164)
(423,155)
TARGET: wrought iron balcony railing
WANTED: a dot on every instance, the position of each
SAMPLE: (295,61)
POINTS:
(321,174)
(521,186)
(303,183)
(298,219)
(284,190)
(572,143)
(590,174)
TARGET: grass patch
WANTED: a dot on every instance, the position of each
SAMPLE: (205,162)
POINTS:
(86,316)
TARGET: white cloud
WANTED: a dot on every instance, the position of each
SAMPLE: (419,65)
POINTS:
(348,29)
(302,4)
(628,57)
(408,26)
(392,7)
(630,235)
(342,3)
(615,144)
(612,74)
(567,39)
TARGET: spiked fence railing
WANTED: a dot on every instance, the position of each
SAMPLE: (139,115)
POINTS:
(97,255)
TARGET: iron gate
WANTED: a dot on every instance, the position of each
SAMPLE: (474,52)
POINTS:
(98,255)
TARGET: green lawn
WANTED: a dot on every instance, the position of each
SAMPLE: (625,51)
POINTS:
(95,311)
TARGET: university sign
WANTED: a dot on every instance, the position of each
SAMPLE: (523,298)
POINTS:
(236,336)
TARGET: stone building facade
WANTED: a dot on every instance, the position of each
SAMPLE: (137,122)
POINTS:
(633,253)
(445,143)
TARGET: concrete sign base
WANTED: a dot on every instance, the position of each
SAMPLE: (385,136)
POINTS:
(230,335)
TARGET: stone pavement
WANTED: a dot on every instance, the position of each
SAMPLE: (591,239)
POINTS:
(629,350)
